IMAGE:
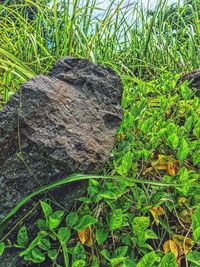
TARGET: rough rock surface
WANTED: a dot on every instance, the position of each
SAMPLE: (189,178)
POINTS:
(194,78)
(56,125)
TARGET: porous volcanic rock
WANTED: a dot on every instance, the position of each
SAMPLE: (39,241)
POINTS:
(194,80)
(56,125)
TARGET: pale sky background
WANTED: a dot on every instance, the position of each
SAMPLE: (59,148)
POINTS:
(152,3)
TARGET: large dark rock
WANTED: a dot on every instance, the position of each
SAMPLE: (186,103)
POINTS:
(57,125)
(194,80)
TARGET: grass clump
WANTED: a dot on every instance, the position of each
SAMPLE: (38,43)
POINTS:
(35,34)
(119,222)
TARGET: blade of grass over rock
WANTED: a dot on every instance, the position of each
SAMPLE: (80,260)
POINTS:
(79,177)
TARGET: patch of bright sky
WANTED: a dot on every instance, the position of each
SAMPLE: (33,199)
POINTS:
(146,3)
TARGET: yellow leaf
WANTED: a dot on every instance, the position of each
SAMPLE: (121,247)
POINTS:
(183,242)
(181,201)
(172,167)
(147,170)
(171,246)
(86,236)
(161,167)
(90,241)
(163,160)
(185,216)
(156,212)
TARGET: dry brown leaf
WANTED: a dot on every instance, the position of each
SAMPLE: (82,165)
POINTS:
(171,246)
(183,242)
(86,236)
(172,167)
(164,163)
(156,212)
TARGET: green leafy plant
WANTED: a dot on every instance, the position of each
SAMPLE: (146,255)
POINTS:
(152,217)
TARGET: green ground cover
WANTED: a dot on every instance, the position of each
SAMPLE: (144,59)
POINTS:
(119,222)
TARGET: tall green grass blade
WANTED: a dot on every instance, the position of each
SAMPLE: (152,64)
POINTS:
(76,178)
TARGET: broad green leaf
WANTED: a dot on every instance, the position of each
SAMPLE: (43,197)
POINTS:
(169,260)
(140,224)
(114,262)
(184,175)
(78,253)
(196,157)
(146,125)
(84,222)
(196,234)
(101,235)
(22,236)
(115,219)
(194,257)
(147,260)
(32,245)
(44,244)
(128,263)
(173,140)
(149,234)
(183,150)
(95,262)
(196,219)
(188,124)
(108,194)
(94,187)
(186,92)
(196,130)
(41,224)
(64,234)
(106,254)
(37,256)
(47,209)
(52,254)
(55,219)
(124,164)
(121,252)
(79,263)
(71,219)
(2,248)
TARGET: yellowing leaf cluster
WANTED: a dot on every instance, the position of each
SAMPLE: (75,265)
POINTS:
(86,236)
(156,212)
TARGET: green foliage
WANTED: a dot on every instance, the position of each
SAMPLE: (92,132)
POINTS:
(194,257)
(123,36)
(101,235)
(157,144)
(169,260)
(157,140)
(84,222)
(147,260)
(2,248)
(22,237)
